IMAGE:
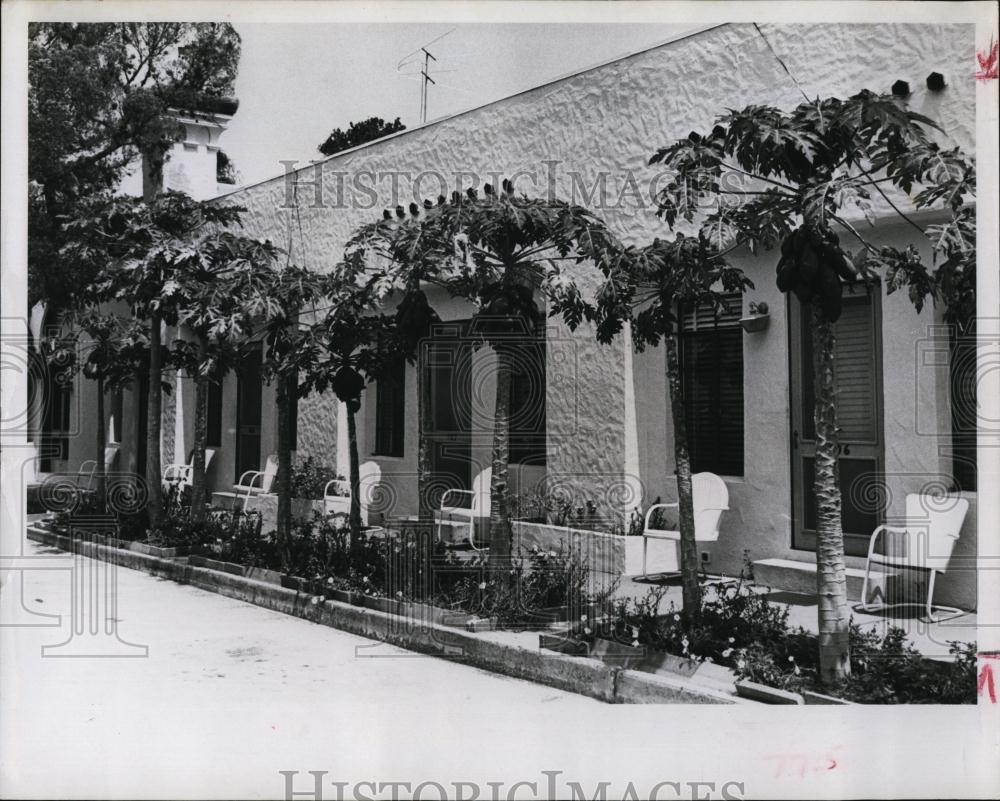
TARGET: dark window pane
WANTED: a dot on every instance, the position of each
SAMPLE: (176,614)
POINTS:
(712,382)
(527,404)
(214,432)
(390,410)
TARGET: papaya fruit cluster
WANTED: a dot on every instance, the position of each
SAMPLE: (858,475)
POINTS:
(814,267)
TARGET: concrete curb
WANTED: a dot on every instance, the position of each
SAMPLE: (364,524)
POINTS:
(574,674)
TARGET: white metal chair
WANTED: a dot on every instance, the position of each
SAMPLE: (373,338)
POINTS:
(89,466)
(479,505)
(925,542)
(338,501)
(181,474)
(710,497)
(254,483)
(369,479)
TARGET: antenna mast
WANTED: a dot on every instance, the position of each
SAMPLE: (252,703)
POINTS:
(425,72)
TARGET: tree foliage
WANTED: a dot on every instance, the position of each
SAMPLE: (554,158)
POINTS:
(99,96)
(358,133)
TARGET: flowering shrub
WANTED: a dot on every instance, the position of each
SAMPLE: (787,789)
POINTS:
(309,480)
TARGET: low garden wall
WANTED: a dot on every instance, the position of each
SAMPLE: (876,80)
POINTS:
(608,556)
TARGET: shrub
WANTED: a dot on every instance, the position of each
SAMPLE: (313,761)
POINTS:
(309,479)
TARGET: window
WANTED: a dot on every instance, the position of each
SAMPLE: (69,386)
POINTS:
(389,410)
(213,436)
(527,405)
(711,356)
(963,407)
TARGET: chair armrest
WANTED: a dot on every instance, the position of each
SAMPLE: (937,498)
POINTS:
(83,466)
(173,468)
(874,538)
(326,493)
(654,507)
(447,492)
(243,486)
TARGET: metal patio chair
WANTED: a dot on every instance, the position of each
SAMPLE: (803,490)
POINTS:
(711,498)
(479,504)
(925,542)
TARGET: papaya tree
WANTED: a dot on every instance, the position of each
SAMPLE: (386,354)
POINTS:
(139,252)
(399,269)
(218,276)
(508,254)
(108,350)
(648,288)
(764,178)
(276,297)
(355,346)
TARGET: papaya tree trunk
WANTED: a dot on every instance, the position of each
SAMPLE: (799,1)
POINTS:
(200,438)
(690,589)
(153,422)
(101,442)
(831,578)
(424,466)
(500,533)
(284,478)
(355,470)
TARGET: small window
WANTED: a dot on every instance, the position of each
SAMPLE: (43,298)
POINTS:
(390,410)
(213,437)
(711,356)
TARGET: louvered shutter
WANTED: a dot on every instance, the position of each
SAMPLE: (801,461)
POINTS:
(712,382)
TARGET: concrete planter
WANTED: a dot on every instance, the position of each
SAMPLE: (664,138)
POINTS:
(620,654)
(163,553)
(609,556)
(753,691)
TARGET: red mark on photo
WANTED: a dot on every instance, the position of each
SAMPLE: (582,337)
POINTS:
(988,62)
(803,764)
(986,686)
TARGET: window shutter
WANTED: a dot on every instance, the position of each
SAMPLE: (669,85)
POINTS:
(712,380)
(855,371)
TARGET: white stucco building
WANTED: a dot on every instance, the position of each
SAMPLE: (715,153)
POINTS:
(606,428)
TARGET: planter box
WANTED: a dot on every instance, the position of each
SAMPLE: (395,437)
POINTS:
(767,695)
(608,556)
(347,597)
(818,698)
(620,654)
(296,583)
(163,553)
(263,574)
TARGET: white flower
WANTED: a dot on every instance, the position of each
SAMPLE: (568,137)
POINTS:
(399,593)
(791,659)
(330,580)
(482,585)
(314,600)
(732,640)
(740,664)
(727,653)
(677,617)
(583,618)
(635,643)
(366,579)
(587,630)
(684,642)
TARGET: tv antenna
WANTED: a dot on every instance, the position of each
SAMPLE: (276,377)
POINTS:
(425,72)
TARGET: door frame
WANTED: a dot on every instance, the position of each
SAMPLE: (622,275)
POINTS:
(802,539)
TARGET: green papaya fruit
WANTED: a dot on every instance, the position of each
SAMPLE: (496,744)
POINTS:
(809,266)
(788,276)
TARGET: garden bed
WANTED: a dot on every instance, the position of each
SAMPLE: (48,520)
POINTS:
(499,651)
